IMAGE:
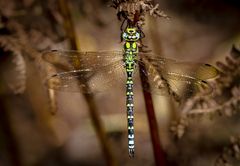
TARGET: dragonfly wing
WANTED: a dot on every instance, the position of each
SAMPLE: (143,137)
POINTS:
(75,60)
(175,78)
(156,83)
(199,71)
(188,88)
(91,80)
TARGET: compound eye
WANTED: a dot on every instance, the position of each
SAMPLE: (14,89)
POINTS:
(138,35)
(124,35)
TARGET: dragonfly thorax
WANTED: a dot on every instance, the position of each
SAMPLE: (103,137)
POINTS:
(131,37)
(131,47)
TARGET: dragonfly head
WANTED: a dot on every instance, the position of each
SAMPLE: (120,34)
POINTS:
(131,34)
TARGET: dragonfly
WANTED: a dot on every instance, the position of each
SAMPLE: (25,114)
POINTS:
(93,72)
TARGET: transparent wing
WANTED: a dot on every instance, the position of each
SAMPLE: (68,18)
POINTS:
(185,69)
(89,80)
(90,72)
(75,60)
(155,83)
(87,72)
(180,79)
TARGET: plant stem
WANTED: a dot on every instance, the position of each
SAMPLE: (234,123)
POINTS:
(159,155)
(95,118)
(68,23)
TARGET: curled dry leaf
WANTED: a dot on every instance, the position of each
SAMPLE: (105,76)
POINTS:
(135,10)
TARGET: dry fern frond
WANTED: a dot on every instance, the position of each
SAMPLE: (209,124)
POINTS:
(135,10)
(232,151)
(19,42)
(178,127)
(225,98)
(8,44)
(14,43)
(25,44)
(19,86)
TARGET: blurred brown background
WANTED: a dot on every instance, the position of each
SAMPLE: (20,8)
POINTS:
(38,127)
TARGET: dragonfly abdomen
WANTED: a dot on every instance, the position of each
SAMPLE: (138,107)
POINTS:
(130,114)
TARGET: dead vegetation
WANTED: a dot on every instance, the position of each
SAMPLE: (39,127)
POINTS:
(31,26)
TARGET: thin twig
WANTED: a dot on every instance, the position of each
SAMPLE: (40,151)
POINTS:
(97,124)
(68,23)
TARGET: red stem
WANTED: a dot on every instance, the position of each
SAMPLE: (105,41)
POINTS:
(159,154)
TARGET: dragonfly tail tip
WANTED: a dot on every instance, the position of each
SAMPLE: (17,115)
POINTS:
(131,153)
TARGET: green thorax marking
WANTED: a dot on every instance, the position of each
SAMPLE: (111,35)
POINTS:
(131,37)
